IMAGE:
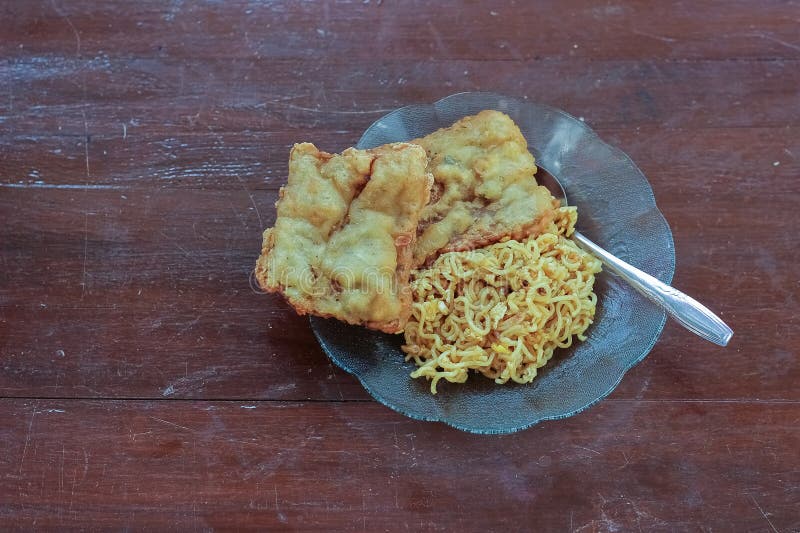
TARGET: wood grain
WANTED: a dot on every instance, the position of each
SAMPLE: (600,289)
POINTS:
(144,385)
(312,31)
(221,465)
(82,96)
(738,157)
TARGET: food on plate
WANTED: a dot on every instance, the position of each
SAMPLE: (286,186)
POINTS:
(484,189)
(501,310)
(447,239)
(342,242)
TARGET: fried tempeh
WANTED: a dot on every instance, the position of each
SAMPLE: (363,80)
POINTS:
(343,240)
(484,187)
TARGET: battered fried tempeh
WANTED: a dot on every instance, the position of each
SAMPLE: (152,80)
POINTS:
(342,242)
(484,187)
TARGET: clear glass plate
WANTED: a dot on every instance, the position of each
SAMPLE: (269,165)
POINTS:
(616,209)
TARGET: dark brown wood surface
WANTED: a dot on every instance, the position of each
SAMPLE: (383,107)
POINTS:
(144,385)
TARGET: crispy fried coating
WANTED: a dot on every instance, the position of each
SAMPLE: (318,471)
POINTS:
(484,187)
(343,239)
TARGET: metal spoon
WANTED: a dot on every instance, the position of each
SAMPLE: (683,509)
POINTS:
(690,313)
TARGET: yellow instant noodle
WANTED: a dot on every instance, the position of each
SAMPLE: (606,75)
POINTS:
(501,310)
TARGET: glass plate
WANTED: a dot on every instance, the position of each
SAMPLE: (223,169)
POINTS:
(616,209)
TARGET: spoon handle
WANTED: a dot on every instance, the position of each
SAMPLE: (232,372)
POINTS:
(690,313)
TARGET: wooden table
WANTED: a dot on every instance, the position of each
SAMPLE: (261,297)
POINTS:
(144,385)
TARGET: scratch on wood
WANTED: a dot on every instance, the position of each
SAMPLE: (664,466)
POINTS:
(335,380)
(363,512)
(61,470)
(71,25)
(588,449)
(72,491)
(661,38)
(86,141)
(437,37)
(27,438)
(771,38)
(627,461)
(171,424)
(252,201)
(763,514)
(331,111)
(279,99)
(134,435)
(193,380)
(175,244)
(85,251)
(86,214)
(85,464)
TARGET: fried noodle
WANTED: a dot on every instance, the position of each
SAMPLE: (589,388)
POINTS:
(501,310)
